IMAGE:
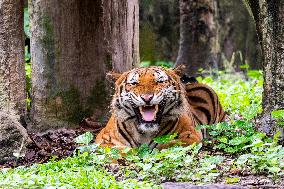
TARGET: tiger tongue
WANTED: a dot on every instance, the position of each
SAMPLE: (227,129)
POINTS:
(148,113)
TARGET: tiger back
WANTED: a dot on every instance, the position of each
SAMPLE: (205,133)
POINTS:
(205,104)
(152,102)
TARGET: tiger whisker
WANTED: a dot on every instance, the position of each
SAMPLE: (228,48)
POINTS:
(177,91)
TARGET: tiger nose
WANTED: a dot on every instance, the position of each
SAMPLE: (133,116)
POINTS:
(147,97)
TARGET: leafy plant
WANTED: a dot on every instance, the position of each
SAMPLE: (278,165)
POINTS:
(236,137)
(267,158)
(83,171)
(85,138)
(279,116)
(166,138)
(240,97)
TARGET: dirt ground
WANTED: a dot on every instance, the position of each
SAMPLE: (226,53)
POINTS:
(54,143)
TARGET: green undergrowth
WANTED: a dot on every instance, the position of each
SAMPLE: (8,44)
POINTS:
(81,171)
(234,149)
(240,94)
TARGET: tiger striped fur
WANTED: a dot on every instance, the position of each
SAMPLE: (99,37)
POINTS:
(151,102)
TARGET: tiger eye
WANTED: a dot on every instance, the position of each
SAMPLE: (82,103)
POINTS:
(132,84)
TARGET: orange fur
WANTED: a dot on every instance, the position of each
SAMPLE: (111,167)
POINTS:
(121,132)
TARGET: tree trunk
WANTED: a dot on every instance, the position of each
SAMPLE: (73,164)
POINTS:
(199,46)
(12,63)
(73,44)
(269,19)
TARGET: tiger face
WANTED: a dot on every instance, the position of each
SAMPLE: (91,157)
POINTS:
(147,96)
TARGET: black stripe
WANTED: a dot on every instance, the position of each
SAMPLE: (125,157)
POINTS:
(196,99)
(120,88)
(131,117)
(209,92)
(197,119)
(129,135)
(122,133)
(117,104)
(223,116)
(127,110)
(170,126)
(173,102)
(170,108)
(206,112)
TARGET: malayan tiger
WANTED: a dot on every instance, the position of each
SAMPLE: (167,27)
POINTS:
(151,102)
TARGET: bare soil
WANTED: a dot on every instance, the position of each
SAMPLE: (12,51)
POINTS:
(53,144)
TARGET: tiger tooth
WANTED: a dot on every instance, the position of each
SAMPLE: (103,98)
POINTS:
(156,107)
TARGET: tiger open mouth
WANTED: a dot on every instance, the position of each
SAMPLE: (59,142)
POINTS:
(149,113)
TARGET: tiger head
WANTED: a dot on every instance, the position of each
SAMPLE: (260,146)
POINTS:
(148,96)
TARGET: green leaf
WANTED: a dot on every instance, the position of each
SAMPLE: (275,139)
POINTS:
(165,138)
(145,64)
(278,114)
(238,140)
(276,137)
(232,180)
(243,159)
(223,139)
(164,64)
(244,66)
(255,74)
(85,138)
(143,150)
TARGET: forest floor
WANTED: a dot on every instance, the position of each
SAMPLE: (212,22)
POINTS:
(58,143)
(61,144)
(234,154)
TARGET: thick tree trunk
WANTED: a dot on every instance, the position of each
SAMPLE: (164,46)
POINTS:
(269,19)
(73,44)
(12,63)
(199,46)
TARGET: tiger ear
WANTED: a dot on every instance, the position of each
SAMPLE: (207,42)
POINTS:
(180,70)
(113,76)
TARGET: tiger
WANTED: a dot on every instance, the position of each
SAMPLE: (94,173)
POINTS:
(150,102)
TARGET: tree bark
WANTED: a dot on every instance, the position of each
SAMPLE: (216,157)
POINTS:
(199,46)
(73,44)
(269,20)
(12,63)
